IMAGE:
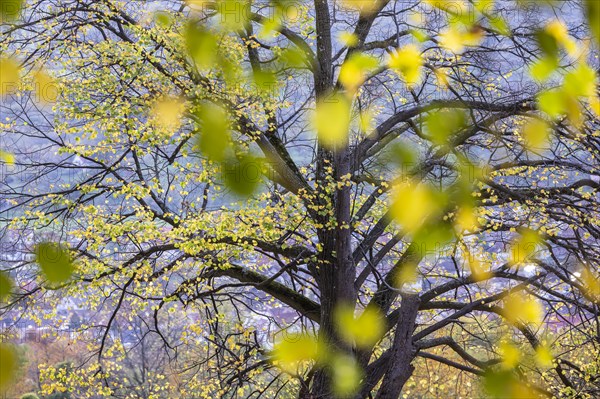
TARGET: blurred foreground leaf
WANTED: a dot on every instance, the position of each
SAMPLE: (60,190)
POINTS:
(55,261)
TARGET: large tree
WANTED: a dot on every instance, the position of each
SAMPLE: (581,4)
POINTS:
(426,166)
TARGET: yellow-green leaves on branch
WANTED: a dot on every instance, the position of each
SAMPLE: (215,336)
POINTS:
(10,9)
(215,131)
(363,331)
(55,262)
(408,63)
(354,71)
(8,365)
(331,120)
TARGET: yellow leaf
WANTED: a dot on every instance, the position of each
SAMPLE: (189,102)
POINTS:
(331,120)
(201,45)
(511,355)
(295,349)
(167,112)
(543,356)
(466,218)
(543,68)
(591,284)
(6,286)
(522,309)
(45,86)
(536,134)
(412,203)
(7,157)
(456,39)
(346,376)
(581,82)
(348,39)
(366,7)
(365,330)
(354,71)
(552,103)
(442,77)
(365,122)
(558,30)
(9,75)
(480,271)
(407,62)
(594,102)
(524,246)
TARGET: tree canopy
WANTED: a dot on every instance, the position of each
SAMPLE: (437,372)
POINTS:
(312,199)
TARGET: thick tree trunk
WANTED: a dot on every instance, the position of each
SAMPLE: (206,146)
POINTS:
(399,367)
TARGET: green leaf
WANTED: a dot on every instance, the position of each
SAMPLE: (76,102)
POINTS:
(581,81)
(55,261)
(163,19)
(543,68)
(8,365)
(5,286)
(10,9)
(547,43)
(551,102)
(499,24)
(498,383)
(443,124)
(243,174)
(215,134)
(592,10)
(201,45)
